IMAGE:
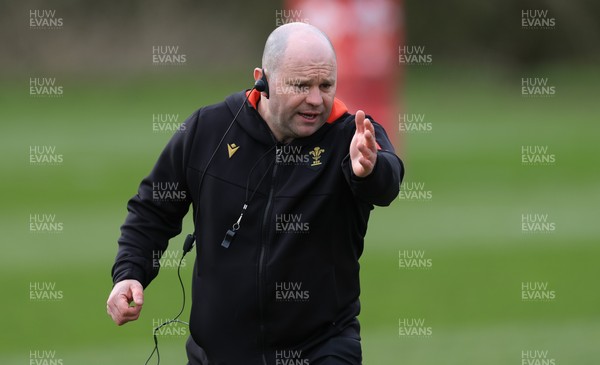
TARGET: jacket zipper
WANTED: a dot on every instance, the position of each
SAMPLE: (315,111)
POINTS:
(261,260)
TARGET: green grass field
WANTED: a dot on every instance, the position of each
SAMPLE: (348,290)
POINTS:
(470,229)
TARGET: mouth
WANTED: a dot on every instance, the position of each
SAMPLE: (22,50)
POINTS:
(309,116)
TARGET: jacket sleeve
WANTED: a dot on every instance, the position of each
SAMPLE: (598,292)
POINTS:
(381,187)
(155,213)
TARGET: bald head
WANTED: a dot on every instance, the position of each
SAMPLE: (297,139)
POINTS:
(300,67)
(303,36)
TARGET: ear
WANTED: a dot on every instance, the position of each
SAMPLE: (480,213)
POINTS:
(260,77)
(257,74)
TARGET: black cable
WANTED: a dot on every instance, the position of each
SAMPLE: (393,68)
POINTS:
(230,235)
(215,152)
(174,320)
(261,179)
(192,238)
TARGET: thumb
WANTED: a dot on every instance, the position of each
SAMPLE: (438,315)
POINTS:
(137,292)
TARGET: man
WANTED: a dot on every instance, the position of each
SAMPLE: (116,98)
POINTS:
(298,175)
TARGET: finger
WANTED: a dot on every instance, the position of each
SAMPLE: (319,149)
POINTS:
(369,126)
(366,164)
(131,313)
(114,314)
(370,135)
(122,315)
(119,305)
(360,121)
(137,292)
(370,140)
(366,152)
(113,303)
(121,320)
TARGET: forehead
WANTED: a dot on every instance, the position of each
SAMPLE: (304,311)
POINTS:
(308,54)
(308,70)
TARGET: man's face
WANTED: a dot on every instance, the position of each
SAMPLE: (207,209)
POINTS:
(302,90)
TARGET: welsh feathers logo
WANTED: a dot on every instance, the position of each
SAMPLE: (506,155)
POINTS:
(316,154)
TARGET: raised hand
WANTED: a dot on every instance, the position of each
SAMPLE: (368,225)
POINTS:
(363,148)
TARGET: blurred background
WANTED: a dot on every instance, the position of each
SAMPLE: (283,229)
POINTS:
(489,255)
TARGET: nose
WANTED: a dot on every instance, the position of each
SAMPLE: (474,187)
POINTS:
(314,96)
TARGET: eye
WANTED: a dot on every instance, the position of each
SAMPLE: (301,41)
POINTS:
(300,87)
(294,84)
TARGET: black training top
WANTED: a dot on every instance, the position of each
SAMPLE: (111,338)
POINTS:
(290,277)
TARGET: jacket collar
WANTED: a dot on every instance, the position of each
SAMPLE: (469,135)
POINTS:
(338,109)
(253,124)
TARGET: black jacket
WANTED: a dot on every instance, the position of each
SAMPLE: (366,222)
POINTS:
(290,277)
